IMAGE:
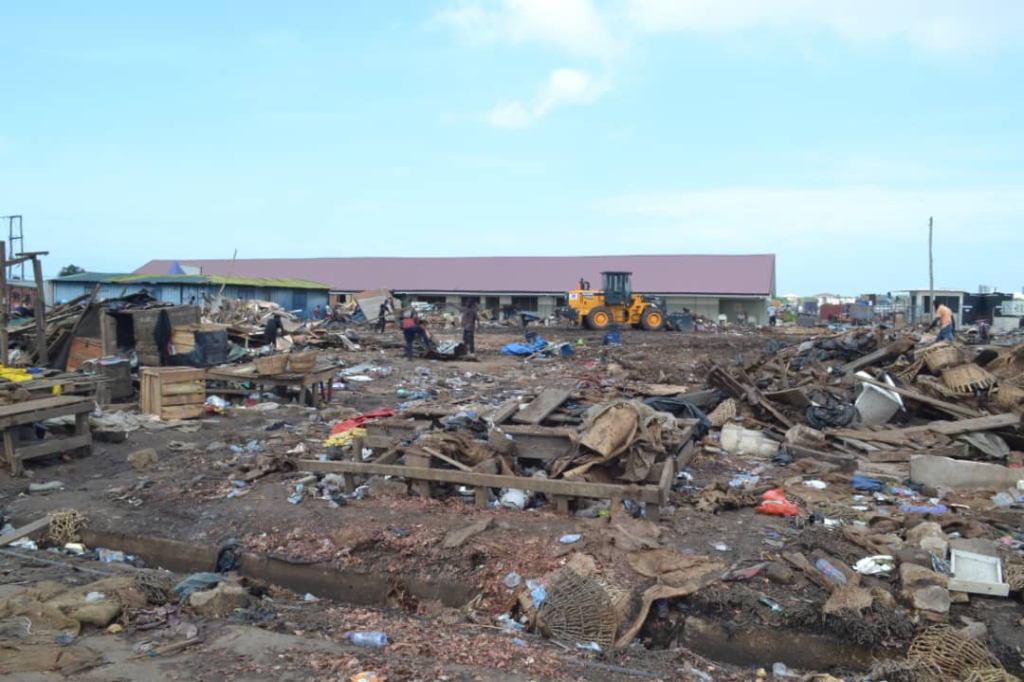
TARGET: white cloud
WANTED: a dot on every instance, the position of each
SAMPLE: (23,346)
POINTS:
(563,87)
(509,115)
(929,25)
(574,26)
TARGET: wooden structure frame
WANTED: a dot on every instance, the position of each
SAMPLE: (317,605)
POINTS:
(42,352)
(33,411)
(311,384)
(533,442)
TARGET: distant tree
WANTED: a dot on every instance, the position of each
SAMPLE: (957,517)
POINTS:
(68,270)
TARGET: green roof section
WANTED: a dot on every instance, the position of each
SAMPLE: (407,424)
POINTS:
(217,280)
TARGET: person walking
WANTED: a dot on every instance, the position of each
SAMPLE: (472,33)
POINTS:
(382,317)
(470,317)
(943,318)
(773,314)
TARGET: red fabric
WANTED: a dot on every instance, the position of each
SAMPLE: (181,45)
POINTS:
(408,323)
(355,422)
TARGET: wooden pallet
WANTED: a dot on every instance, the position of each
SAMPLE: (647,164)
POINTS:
(173,392)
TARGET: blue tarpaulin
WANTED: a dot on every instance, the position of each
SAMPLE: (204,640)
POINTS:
(524,348)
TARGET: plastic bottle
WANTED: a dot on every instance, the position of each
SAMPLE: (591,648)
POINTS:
(771,604)
(830,571)
(373,638)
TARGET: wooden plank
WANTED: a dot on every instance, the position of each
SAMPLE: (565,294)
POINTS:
(182,412)
(12,460)
(638,493)
(845,462)
(189,399)
(52,447)
(30,417)
(174,374)
(446,459)
(948,428)
(42,403)
(897,347)
(25,531)
(42,354)
(187,388)
(503,412)
(956,451)
(548,401)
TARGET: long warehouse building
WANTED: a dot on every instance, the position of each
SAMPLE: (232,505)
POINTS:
(709,285)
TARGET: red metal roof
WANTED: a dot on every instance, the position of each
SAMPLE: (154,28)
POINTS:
(670,274)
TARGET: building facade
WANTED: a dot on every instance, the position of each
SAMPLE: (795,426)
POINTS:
(710,285)
(298,296)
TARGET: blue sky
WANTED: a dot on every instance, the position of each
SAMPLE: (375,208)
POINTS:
(824,132)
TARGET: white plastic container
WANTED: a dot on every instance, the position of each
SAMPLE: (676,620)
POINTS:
(737,440)
(876,405)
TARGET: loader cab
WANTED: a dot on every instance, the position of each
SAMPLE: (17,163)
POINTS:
(618,288)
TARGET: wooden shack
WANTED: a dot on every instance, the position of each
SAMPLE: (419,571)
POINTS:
(104,331)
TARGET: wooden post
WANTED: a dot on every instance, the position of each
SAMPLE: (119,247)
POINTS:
(931,274)
(42,359)
(3,304)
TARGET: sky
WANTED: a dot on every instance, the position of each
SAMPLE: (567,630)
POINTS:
(824,132)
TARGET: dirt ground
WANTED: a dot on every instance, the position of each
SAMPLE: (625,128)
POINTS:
(189,497)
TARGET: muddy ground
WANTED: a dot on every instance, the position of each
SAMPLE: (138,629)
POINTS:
(187,497)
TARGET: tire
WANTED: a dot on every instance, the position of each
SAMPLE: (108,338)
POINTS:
(652,320)
(599,318)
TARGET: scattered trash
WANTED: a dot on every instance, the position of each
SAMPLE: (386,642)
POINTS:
(45,487)
(720,546)
(589,646)
(874,565)
(92,597)
(64,639)
(816,484)
(570,539)
(774,503)
(830,571)
(309,597)
(512,580)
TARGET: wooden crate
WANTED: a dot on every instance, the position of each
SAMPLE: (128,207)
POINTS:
(173,392)
(184,336)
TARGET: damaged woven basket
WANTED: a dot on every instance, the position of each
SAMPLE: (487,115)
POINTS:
(942,653)
(966,379)
(989,675)
(1009,396)
(723,414)
(940,356)
(578,610)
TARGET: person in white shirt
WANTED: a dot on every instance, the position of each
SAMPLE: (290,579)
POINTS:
(772,314)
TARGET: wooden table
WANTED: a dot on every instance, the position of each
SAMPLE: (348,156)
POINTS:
(312,383)
(33,411)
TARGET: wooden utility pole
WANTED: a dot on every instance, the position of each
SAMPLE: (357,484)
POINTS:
(42,359)
(931,272)
(3,303)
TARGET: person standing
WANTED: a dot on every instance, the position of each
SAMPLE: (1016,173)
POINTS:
(412,330)
(469,322)
(316,312)
(382,317)
(943,318)
(773,314)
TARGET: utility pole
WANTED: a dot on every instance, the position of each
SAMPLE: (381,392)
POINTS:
(931,273)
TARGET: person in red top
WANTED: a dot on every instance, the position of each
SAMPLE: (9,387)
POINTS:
(411,329)
(943,318)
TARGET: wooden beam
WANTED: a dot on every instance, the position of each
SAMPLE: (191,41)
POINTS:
(897,347)
(445,458)
(42,358)
(946,428)
(504,412)
(605,491)
(4,302)
(25,531)
(548,401)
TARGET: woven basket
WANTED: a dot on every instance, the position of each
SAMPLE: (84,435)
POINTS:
(723,414)
(989,675)
(967,379)
(1009,396)
(940,356)
(907,373)
(302,362)
(1014,574)
(578,610)
(271,364)
(952,654)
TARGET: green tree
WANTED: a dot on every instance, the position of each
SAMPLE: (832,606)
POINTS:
(68,270)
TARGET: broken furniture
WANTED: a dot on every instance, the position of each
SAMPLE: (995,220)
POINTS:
(33,411)
(315,385)
(172,392)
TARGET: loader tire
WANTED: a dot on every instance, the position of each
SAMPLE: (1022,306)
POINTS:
(652,320)
(599,318)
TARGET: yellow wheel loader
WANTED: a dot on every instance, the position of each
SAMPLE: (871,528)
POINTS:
(614,304)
